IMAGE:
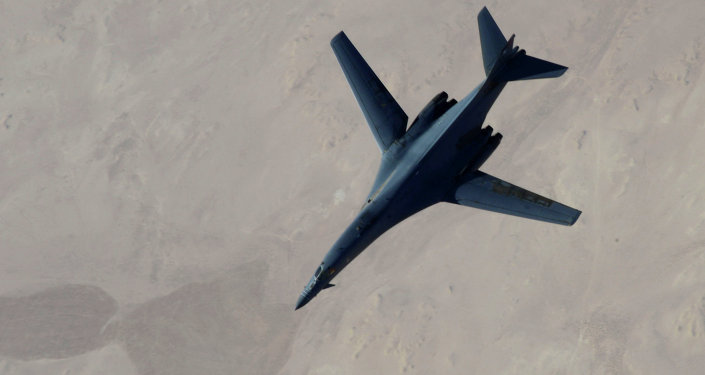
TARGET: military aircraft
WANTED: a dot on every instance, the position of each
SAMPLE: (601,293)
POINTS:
(437,158)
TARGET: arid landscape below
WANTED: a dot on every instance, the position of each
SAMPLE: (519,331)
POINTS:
(173,172)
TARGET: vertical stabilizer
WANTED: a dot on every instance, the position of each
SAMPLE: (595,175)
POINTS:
(491,38)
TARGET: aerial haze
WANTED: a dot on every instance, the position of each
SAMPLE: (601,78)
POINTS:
(173,172)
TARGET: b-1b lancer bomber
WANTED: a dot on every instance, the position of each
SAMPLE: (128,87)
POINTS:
(437,158)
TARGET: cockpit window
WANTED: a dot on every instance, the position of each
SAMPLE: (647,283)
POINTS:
(318,271)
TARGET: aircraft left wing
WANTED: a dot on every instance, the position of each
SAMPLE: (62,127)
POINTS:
(481,190)
(384,115)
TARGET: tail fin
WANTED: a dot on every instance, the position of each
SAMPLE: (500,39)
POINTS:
(491,39)
(514,64)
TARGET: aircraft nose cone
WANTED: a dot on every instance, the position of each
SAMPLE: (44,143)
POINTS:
(301,302)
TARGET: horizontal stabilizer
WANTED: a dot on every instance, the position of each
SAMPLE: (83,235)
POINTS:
(523,66)
(480,190)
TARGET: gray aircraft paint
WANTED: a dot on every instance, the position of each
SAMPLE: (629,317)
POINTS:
(437,158)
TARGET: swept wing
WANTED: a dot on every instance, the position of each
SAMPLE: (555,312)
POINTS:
(384,115)
(484,191)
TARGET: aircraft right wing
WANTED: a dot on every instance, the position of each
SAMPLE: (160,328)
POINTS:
(384,115)
(481,190)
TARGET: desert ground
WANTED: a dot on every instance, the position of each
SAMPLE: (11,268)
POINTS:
(173,172)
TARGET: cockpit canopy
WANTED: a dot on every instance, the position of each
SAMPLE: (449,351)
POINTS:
(318,271)
(314,279)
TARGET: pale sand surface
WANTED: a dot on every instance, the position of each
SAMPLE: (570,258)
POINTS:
(172,173)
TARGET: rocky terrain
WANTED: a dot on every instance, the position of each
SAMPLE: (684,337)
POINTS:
(173,172)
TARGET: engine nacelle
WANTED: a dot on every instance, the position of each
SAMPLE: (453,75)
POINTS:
(489,149)
(472,149)
(432,111)
(435,105)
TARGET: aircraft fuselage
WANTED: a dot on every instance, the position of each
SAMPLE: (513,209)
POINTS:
(437,159)
(417,171)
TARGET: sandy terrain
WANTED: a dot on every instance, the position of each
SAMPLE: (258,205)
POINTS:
(173,172)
